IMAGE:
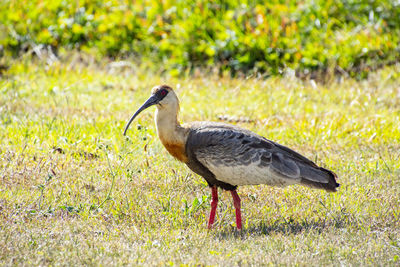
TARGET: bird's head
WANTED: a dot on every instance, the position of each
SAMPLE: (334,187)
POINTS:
(163,96)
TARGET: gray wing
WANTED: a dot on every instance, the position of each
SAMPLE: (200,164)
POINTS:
(238,157)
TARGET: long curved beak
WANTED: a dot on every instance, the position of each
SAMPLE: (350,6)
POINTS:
(153,100)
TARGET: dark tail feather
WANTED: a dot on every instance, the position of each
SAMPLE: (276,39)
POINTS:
(330,186)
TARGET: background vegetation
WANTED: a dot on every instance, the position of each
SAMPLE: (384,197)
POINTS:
(346,36)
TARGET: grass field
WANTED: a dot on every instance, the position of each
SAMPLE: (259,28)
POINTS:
(74,191)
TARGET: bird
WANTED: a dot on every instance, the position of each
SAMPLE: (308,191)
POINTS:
(228,156)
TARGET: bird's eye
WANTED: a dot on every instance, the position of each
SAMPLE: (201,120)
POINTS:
(163,92)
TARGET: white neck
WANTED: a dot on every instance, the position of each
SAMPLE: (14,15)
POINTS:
(168,128)
(172,135)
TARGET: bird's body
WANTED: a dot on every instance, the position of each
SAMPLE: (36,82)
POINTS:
(228,156)
(236,156)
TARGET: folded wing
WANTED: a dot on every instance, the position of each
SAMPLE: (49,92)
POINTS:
(240,157)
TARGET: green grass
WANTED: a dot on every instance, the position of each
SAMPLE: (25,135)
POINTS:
(74,191)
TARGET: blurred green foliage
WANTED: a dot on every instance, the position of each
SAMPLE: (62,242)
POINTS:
(351,36)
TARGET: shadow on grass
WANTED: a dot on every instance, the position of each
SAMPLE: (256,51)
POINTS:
(284,227)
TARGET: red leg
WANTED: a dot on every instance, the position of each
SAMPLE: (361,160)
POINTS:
(236,203)
(214,204)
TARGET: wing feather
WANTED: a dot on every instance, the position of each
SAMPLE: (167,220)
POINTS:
(238,157)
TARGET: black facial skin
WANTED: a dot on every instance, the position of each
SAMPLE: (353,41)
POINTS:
(161,94)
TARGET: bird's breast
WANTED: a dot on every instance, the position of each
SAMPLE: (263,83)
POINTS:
(176,150)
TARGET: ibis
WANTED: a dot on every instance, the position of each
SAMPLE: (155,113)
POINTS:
(228,156)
